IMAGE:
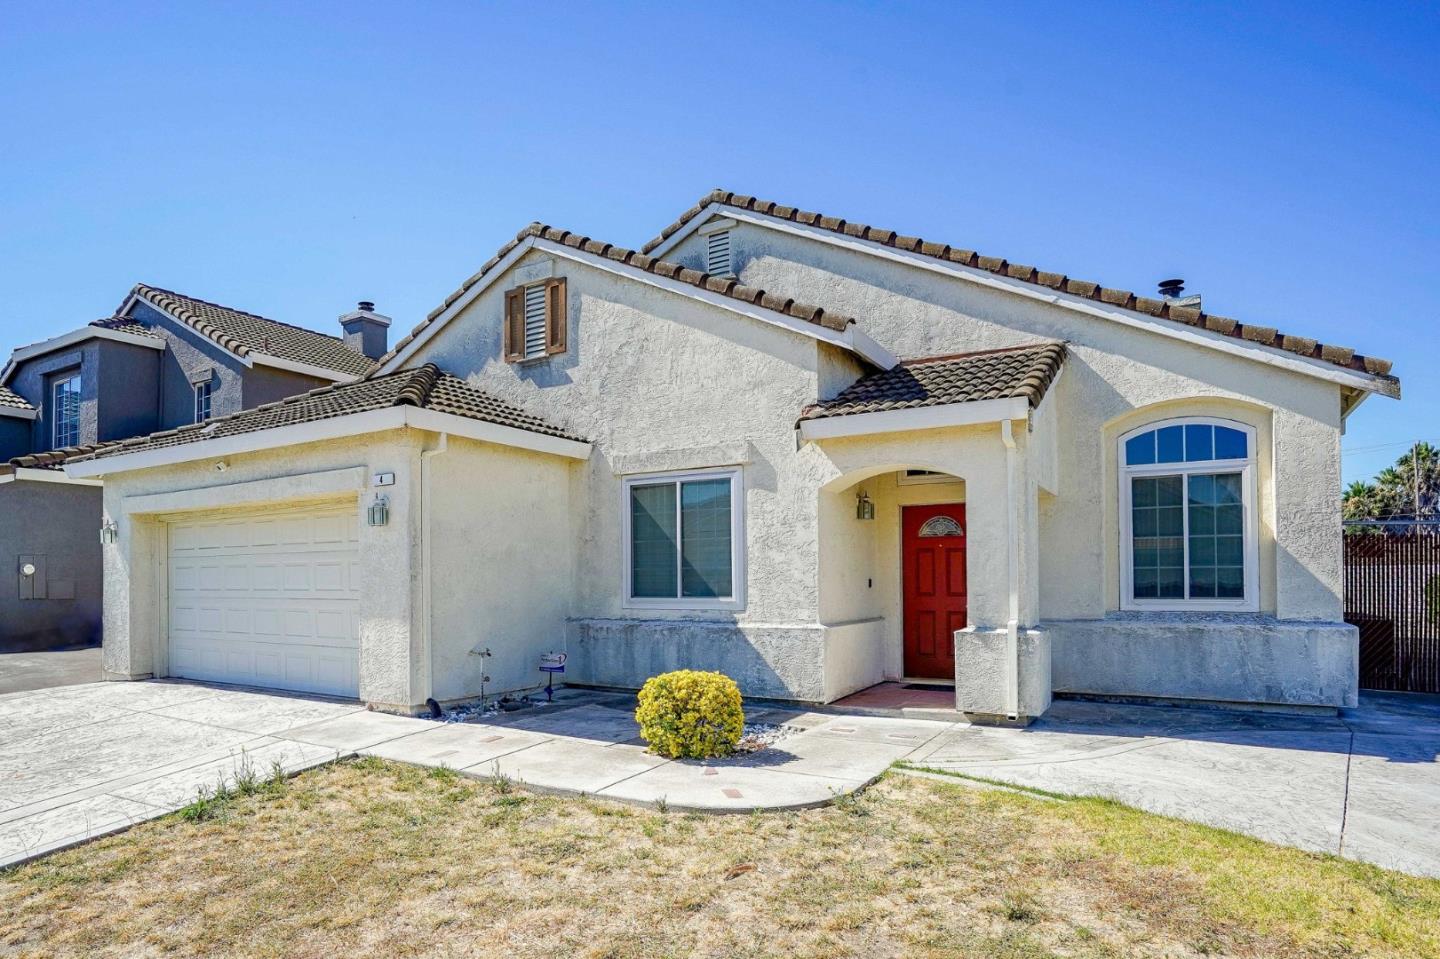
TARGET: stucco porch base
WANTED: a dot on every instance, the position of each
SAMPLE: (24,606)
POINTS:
(982,675)
(1211,657)
(808,663)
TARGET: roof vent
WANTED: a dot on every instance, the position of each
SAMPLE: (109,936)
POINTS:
(1173,292)
(366,306)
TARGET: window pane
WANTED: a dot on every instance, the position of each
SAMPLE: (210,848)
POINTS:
(1230,444)
(1140,451)
(652,541)
(1157,534)
(1217,546)
(1170,444)
(1199,442)
(705,538)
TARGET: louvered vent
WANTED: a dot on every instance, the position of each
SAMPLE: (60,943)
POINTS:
(717,253)
(535,320)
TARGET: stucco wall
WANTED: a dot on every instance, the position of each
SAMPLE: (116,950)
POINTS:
(1114,374)
(393,661)
(61,523)
(656,380)
(14,437)
(500,565)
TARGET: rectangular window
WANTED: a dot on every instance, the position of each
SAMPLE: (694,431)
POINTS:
(65,409)
(683,540)
(202,401)
(1188,524)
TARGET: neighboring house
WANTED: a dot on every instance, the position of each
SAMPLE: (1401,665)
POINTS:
(809,453)
(163,360)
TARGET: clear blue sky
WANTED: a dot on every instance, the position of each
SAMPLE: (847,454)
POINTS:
(291,159)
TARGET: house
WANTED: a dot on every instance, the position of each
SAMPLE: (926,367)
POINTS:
(164,359)
(810,453)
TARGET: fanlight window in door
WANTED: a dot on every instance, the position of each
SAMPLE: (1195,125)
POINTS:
(941,526)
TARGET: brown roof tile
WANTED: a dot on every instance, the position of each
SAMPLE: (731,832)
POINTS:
(425,387)
(724,286)
(13,401)
(1025,371)
(1264,335)
(125,324)
(244,333)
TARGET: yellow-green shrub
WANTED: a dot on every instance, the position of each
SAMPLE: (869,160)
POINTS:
(689,714)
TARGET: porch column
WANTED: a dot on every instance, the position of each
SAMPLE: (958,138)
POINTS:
(1002,660)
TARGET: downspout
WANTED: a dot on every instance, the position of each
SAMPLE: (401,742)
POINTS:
(1012,572)
(425,529)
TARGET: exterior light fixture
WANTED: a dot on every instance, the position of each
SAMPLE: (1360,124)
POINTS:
(28,569)
(109,532)
(864,506)
(379,511)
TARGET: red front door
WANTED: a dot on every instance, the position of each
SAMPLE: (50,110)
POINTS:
(933,551)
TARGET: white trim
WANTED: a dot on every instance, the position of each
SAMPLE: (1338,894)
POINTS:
(57,409)
(31,474)
(923,418)
(716,226)
(208,385)
(72,338)
(294,366)
(1269,355)
(355,424)
(734,602)
(19,414)
(1249,499)
(932,476)
(850,338)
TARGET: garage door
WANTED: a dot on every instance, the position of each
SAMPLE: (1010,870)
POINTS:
(267,600)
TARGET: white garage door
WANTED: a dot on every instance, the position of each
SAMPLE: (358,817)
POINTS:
(267,600)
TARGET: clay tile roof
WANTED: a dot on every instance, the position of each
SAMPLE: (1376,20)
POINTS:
(425,387)
(125,324)
(1024,371)
(13,401)
(704,281)
(244,333)
(1264,335)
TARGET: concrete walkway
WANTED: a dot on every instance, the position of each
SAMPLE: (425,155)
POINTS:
(1364,785)
(83,761)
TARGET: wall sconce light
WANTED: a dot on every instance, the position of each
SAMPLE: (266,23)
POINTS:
(109,532)
(379,511)
(864,506)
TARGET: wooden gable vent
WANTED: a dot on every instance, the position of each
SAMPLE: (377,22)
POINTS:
(535,320)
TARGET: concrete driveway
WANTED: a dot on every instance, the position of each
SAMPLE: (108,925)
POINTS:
(1364,785)
(49,668)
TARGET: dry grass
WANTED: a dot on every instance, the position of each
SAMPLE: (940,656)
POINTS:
(367,858)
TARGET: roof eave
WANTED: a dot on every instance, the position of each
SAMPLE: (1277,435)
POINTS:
(1383,385)
(335,427)
(850,338)
(74,338)
(973,413)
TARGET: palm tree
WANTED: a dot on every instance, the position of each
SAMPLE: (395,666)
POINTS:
(1409,488)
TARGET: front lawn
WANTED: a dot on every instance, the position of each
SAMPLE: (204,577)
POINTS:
(366,858)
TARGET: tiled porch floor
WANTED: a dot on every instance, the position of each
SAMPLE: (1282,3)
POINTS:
(897,697)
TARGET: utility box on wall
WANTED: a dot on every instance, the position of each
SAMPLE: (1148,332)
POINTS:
(30,568)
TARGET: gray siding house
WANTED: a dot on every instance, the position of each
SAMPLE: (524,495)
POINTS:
(163,360)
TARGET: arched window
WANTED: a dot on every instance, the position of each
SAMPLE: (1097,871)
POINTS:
(1187,516)
(941,526)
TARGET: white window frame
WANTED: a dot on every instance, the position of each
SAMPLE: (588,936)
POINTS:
(1250,602)
(209,389)
(736,601)
(932,476)
(57,408)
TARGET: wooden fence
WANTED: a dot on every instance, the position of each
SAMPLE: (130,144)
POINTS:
(1392,593)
